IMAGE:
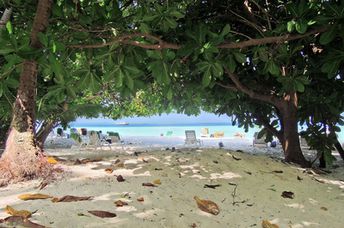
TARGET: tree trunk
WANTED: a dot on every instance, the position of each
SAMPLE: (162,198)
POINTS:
(339,148)
(43,133)
(291,143)
(22,159)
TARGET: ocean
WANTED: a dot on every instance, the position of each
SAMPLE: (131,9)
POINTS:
(162,129)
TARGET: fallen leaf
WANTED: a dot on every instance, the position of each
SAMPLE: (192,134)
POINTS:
(119,165)
(323,208)
(16,221)
(120,203)
(33,196)
(213,186)
(86,160)
(103,214)
(140,199)
(51,160)
(277,171)
(207,206)
(108,170)
(120,178)
(299,178)
(158,169)
(71,198)
(148,185)
(267,224)
(248,172)
(22,213)
(193,225)
(236,158)
(157,181)
(286,194)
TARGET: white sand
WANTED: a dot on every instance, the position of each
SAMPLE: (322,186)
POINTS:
(183,175)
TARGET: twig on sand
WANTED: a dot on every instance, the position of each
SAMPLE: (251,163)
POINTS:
(234,195)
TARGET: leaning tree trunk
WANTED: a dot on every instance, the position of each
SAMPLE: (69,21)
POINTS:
(22,159)
(291,143)
(43,133)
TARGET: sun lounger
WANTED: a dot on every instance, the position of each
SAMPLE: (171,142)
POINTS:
(190,138)
(219,134)
(205,132)
(258,141)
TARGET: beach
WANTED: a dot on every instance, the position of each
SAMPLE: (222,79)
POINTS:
(247,187)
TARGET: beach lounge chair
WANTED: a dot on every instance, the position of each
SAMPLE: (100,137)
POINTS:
(190,138)
(219,134)
(205,132)
(95,141)
(115,139)
(258,141)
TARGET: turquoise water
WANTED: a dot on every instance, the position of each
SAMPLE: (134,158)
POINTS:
(157,130)
(177,130)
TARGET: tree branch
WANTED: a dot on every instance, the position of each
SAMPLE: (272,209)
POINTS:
(230,87)
(126,39)
(5,17)
(271,99)
(270,40)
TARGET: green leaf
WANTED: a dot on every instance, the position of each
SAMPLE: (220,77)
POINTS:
(130,82)
(330,68)
(239,57)
(206,78)
(327,37)
(231,63)
(225,30)
(176,14)
(154,54)
(301,27)
(273,68)
(169,94)
(299,87)
(119,78)
(9,27)
(43,39)
(6,50)
(290,26)
(217,69)
(145,28)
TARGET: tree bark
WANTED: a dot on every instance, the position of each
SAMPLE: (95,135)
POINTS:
(339,148)
(43,133)
(291,143)
(22,159)
(5,17)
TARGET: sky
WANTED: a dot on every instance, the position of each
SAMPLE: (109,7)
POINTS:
(173,118)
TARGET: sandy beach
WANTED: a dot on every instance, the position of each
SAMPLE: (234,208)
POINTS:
(246,187)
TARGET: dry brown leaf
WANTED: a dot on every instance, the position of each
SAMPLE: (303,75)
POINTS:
(22,213)
(51,160)
(120,203)
(140,199)
(71,198)
(207,206)
(157,181)
(287,194)
(109,170)
(120,178)
(148,185)
(119,165)
(15,221)
(267,224)
(34,196)
(103,214)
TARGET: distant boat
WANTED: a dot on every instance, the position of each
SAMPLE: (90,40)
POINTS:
(122,123)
